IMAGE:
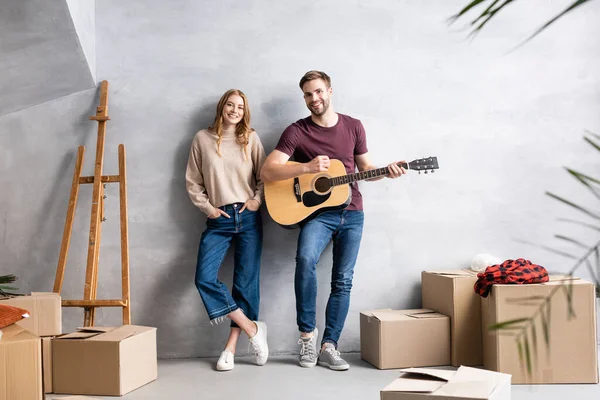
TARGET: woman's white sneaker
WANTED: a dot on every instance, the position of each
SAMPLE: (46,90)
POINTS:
(225,362)
(259,343)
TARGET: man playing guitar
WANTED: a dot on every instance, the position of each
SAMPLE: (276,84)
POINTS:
(312,141)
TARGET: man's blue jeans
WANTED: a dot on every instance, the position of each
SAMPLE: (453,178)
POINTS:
(345,228)
(245,232)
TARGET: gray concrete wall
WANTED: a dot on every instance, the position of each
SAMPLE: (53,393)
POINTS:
(501,123)
(83,13)
(41,58)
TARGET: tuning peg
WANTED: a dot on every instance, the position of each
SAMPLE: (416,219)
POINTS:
(432,171)
(425,172)
(419,172)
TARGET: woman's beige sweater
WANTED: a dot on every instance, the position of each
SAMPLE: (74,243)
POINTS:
(213,180)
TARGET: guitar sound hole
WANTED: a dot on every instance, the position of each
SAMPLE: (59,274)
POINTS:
(322,185)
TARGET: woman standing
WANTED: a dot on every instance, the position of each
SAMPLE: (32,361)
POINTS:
(223,180)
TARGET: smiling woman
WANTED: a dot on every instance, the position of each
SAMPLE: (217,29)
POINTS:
(223,180)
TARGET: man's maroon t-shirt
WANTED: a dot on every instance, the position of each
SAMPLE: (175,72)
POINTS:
(304,140)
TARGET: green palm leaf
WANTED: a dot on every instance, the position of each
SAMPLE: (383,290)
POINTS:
(571,240)
(466,9)
(7,278)
(520,349)
(507,324)
(486,15)
(594,135)
(569,203)
(534,340)
(585,224)
(553,20)
(546,330)
(547,248)
(527,355)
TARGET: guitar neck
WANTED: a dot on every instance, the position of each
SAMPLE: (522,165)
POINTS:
(359,176)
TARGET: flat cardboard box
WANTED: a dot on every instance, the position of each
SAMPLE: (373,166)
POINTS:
(44,310)
(47,363)
(20,364)
(464,384)
(572,353)
(404,338)
(104,360)
(451,293)
(74,398)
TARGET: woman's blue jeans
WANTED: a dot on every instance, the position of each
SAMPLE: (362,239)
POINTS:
(245,232)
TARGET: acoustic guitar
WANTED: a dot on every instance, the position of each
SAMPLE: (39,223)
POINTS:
(292,201)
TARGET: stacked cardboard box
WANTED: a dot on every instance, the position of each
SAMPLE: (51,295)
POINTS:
(20,364)
(47,363)
(45,312)
(570,355)
(104,361)
(451,293)
(45,321)
(404,338)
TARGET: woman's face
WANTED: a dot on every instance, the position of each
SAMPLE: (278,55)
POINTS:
(233,112)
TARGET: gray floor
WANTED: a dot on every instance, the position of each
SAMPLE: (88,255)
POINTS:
(282,378)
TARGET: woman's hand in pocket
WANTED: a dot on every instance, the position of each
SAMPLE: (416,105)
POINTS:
(251,205)
(217,213)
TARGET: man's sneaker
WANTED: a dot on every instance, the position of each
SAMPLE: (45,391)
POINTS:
(330,357)
(259,343)
(225,362)
(308,350)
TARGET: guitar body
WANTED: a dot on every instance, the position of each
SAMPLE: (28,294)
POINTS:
(295,200)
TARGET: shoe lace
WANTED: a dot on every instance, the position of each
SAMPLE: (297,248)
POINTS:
(255,347)
(307,348)
(226,357)
(334,353)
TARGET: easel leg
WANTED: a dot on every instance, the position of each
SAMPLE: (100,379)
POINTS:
(66,240)
(124,236)
(91,273)
(97,256)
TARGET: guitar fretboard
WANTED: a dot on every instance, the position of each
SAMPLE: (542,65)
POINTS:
(359,176)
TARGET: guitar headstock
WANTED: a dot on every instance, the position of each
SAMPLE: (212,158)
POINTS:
(424,164)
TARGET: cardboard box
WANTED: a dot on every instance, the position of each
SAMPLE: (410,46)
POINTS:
(464,384)
(45,312)
(20,365)
(572,353)
(104,361)
(47,363)
(451,293)
(404,338)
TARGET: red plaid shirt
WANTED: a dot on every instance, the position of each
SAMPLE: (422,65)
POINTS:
(519,271)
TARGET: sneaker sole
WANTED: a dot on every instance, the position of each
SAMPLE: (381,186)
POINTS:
(224,369)
(307,365)
(334,367)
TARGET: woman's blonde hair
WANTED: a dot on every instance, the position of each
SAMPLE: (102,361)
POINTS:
(242,129)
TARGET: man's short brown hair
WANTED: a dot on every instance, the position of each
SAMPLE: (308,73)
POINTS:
(312,75)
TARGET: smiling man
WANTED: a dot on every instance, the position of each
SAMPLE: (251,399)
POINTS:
(312,141)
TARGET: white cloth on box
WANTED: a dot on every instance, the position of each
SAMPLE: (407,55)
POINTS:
(481,261)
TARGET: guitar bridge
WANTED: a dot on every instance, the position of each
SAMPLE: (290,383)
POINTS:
(297,189)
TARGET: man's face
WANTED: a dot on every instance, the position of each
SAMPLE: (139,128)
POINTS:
(317,96)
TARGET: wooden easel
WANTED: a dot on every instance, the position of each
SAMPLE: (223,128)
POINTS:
(89,302)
